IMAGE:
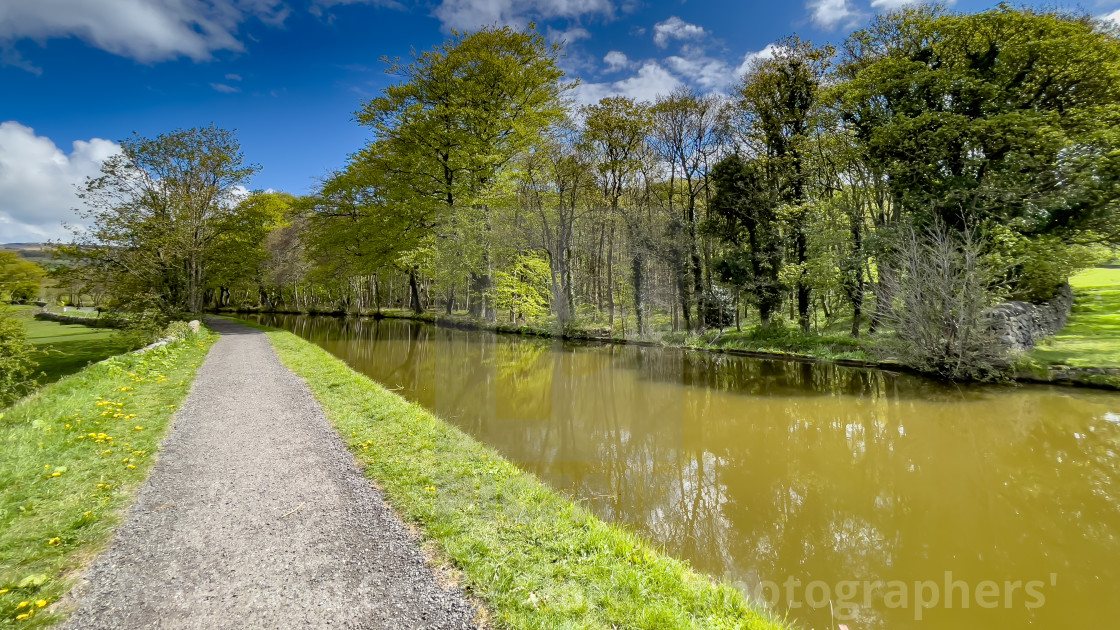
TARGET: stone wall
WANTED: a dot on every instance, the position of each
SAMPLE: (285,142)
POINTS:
(85,321)
(1021,325)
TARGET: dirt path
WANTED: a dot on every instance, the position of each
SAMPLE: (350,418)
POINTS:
(256,516)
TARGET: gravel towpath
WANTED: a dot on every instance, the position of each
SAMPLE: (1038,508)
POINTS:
(256,516)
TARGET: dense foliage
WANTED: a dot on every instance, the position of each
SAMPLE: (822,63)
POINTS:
(17,362)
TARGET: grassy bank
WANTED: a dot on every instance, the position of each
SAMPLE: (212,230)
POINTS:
(64,349)
(1092,336)
(535,558)
(73,455)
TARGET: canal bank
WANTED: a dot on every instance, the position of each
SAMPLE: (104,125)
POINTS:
(535,558)
(782,344)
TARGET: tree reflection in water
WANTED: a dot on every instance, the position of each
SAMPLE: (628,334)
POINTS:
(766,470)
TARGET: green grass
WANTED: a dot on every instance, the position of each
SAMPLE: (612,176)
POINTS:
(534,557)
(1092,336)
(64,349)
(73,455)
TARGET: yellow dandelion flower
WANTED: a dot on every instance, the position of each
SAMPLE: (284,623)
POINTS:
(42,603)
(22,605)
(56,474)
(131,466)
(54,541)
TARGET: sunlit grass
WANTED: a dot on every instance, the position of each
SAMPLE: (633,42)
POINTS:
(1092,336)
(536,559)
(67,348)
(73,455)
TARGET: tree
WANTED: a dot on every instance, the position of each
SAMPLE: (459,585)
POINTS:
(19,279)
(161,212)
(615,131)
(779,107)
(686,135)
(460,114)
(745,216)
(1003,117)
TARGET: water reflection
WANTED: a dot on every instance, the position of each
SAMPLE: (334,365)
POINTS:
(765,471)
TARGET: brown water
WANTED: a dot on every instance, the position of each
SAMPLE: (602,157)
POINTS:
(870,490)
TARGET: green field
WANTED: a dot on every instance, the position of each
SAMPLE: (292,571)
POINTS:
(1092,336)
(67,348)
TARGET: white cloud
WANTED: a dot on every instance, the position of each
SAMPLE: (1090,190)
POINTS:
(712,75)
(38,182)
(675,28)
(145,30)
(892,5)
(225,89)
(570,35)
(829,14)
(616,60)
(767,52)
(472,14)
(1112,17)
(651,81)
(233,77)
(318,6)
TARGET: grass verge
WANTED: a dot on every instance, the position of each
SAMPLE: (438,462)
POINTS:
(534,557)
(1092,336)
(73,455)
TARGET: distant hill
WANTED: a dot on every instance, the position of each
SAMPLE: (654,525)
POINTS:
(35,252)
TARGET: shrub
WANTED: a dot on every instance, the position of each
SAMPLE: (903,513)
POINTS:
(942,288)
(17,365)
(178,331)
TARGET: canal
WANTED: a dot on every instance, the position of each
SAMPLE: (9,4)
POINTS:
(838,495)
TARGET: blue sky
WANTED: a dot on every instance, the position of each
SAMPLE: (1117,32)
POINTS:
(78,75)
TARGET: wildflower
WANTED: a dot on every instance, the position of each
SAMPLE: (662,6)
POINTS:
(131,466)
(54,541)
(42,603)
(23,616)
(48,466)
(139,428)
(56,474)
(22,605)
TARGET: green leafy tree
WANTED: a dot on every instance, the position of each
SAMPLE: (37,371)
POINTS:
(461,112)
(19,279)
(615,133)
(161,214)
(1003,117)
(779,110)
(745,216)
(523,290)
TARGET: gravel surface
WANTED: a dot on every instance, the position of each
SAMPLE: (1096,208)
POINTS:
(257,516)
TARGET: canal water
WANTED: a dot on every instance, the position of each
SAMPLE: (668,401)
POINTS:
(836,495)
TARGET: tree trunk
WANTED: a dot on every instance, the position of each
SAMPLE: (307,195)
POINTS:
(414,292)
